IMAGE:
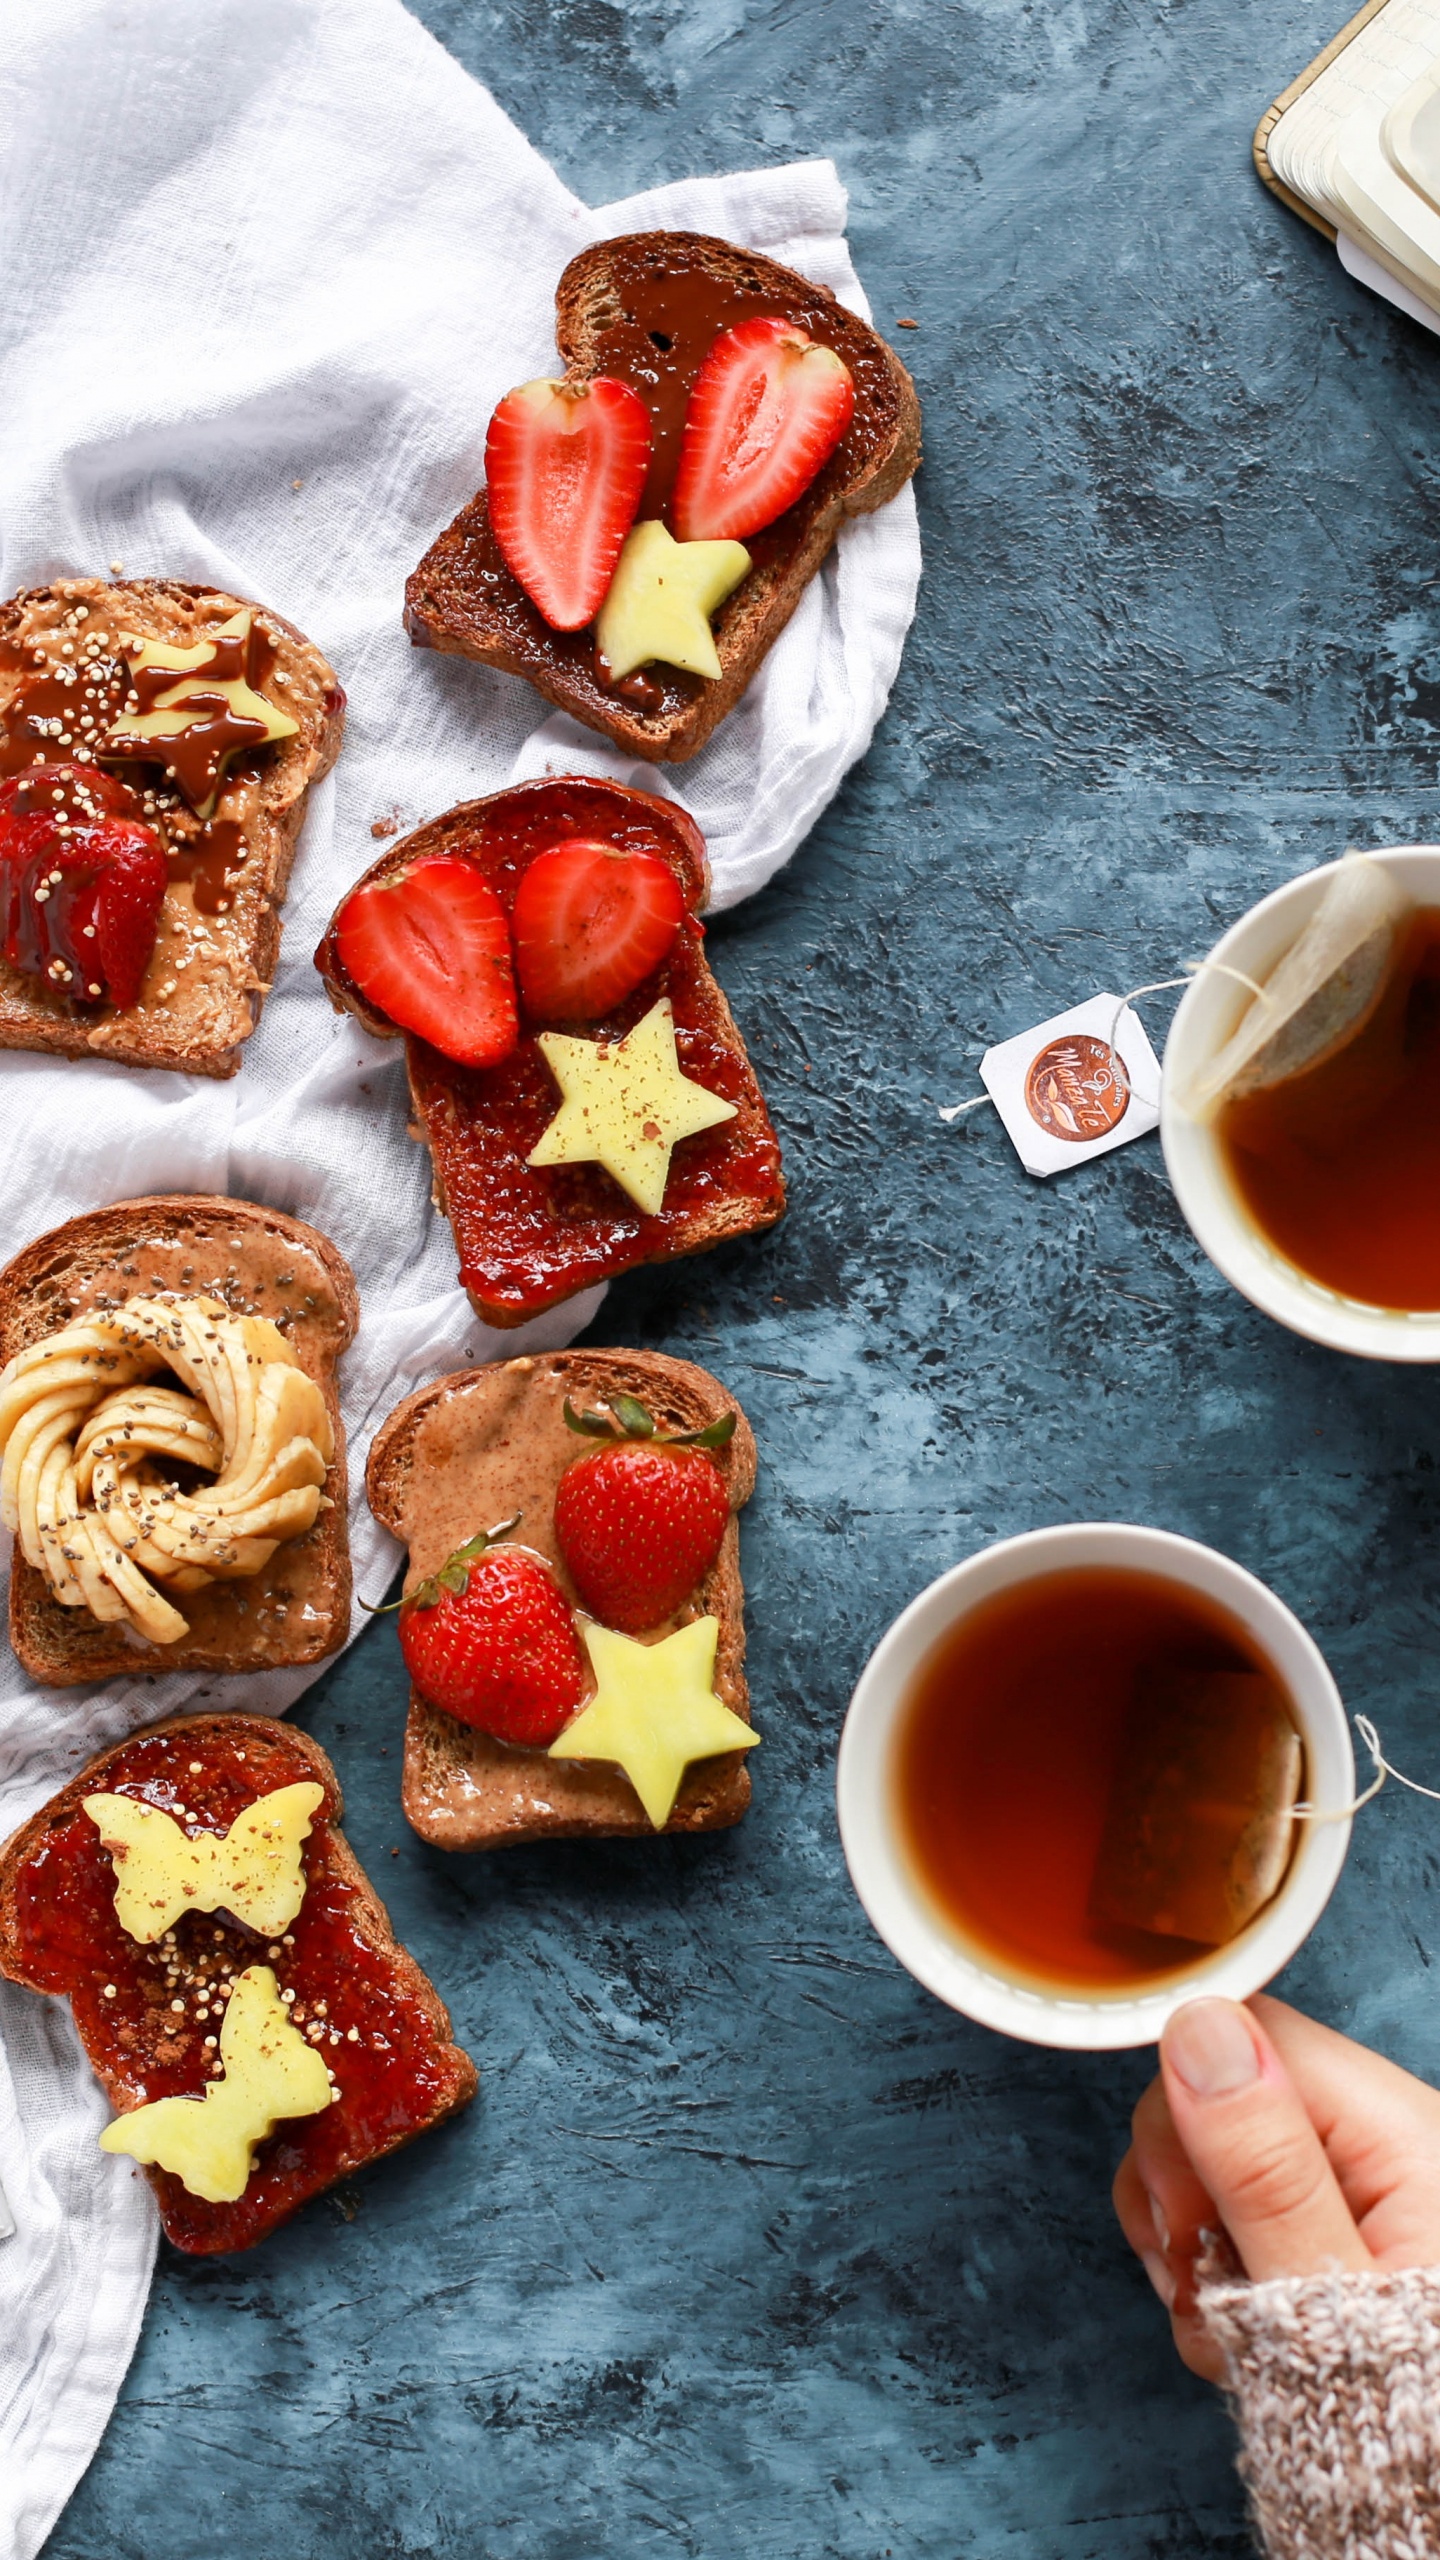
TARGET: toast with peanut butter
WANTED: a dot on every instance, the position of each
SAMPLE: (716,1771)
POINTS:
(172,1458)
(233,1974)
(486,1447)
(640,316)
(157,745)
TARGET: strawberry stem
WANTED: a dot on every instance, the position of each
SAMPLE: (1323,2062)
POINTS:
(629,1419)
(454,1574)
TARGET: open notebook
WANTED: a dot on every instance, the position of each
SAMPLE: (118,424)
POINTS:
(1353,145)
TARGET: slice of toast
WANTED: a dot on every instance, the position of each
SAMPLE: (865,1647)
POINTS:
(144,2013)
(645,310)
(530,1236)
(473,1450)
(260,1262)
(219,933)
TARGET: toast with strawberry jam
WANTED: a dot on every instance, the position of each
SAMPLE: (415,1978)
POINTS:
(717,421)
(233,1975)
(575,1069)
(157,745)
(616,1479)
(195,1330)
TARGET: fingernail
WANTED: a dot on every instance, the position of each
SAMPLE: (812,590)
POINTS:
(1210,2045)
(1162,2227)
(1160,2276)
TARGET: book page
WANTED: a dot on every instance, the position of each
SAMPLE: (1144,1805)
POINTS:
(1375,69)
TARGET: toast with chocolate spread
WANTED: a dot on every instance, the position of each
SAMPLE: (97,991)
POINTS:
(283,1599)
(151,2013)
(645,310)
(529,1234)
(207,764)
(485,1445)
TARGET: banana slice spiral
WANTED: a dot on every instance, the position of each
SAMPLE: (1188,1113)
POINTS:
(90,1444)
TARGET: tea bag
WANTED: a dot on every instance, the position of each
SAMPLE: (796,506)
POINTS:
(1198,1831)
(1318,995)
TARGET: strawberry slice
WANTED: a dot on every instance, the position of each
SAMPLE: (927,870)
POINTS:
(591,922)
(429,947)
(565,463)
(768,408)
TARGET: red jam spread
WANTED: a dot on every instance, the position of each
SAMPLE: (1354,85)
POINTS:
(145,2013)
(530,1235)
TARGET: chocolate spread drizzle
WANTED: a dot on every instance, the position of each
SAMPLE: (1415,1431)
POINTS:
(195,756)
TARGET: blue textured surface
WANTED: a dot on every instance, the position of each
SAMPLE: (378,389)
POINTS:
(749,2247)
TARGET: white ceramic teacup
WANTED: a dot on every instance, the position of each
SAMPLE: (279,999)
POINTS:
(1217,1216)
(967,1975)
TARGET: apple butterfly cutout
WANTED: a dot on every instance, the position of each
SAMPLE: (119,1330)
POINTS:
(270,2073)
(254,1869)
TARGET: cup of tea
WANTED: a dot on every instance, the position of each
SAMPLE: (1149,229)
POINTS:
(1318,1197)
(1065,1777)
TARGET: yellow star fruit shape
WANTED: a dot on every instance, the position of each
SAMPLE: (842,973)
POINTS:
(208,2142)
(182,703)
(659,602)
(626,1105)
(253,1869)
(654,1711)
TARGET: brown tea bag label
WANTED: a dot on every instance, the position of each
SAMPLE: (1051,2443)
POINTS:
(1320,993)
(1199,1829)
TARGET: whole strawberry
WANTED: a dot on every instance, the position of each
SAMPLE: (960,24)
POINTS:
(640,1521)
(490,1639)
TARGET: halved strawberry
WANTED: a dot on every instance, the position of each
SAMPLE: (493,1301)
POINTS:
(768,408)
(82,881)
(591,922)
(565,463)
(429,947)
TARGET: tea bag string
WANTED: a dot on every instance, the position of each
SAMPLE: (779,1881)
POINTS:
(1157,987)
(1383,1769)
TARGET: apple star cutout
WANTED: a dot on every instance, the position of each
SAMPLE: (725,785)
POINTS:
(214,712)
(626,1105)
(654,1711)
(659,602)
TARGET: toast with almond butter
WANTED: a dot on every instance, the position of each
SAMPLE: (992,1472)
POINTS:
(487,1447)
(644,313)
(264,2034)
(157,745)
(173,1454)
(474,937)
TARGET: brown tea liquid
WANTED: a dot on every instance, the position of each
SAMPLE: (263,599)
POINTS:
(1340,1166)
(1008,1753)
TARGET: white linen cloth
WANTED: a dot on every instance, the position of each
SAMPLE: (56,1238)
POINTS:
(265,268)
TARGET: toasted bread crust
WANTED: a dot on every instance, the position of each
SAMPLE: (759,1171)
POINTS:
(217,999)
(118,1253)
(463,600)
(454,1452)
(434,1082)
(261,1738)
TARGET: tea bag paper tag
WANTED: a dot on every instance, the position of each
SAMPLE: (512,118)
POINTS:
(1061,1093)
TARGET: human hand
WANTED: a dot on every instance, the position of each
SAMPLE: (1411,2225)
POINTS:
(1309,2151)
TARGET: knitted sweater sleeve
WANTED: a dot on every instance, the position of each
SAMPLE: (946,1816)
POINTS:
(1335,2382)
